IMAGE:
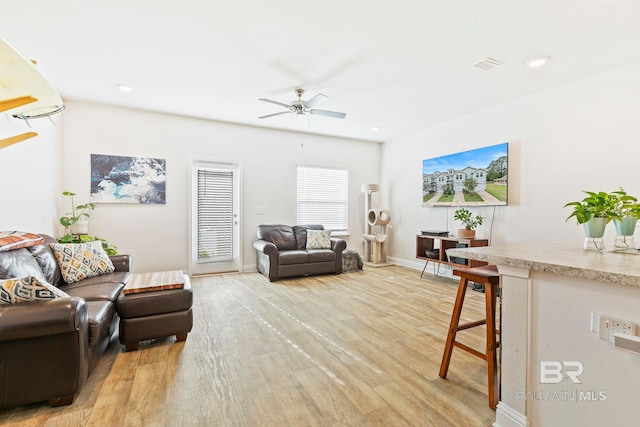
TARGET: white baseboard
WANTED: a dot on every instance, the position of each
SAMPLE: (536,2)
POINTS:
(506,416)
(415,265)
(442,269)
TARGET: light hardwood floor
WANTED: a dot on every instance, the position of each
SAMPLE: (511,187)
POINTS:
(358,349)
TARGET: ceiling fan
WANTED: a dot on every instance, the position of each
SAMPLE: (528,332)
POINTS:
(302,107)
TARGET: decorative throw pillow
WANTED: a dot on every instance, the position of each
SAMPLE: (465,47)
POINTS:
(318,239)
(79,261)
(10,240)
(28,288)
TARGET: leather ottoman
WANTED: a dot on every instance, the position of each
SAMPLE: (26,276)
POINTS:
(155,314)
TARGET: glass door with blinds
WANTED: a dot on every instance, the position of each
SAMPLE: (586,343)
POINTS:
(215,231)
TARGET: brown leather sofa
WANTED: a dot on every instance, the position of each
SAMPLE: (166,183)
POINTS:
(49,348)
(281,252)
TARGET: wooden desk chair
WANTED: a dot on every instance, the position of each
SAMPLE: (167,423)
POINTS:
(487,276)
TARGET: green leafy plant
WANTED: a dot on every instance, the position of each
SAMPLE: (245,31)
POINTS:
(625,205)
(76,214)
(595,205)
(73,238)
(466,217)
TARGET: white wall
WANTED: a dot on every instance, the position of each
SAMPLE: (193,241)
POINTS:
(157,235)
(584,135)
(561,310)
(30,177)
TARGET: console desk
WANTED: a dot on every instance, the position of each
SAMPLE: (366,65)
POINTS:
(434,248)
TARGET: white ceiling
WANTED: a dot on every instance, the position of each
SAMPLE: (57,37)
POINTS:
(401,65)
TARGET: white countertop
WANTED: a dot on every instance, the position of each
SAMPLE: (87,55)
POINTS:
(568,259)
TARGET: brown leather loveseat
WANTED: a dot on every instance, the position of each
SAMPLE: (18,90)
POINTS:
(282,251)
(48,348)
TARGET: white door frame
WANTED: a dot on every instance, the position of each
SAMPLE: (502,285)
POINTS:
(196,267)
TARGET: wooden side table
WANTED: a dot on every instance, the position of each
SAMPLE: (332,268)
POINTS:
(436,247)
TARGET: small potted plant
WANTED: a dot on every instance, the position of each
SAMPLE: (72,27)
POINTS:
(626,212)
(470,222)
(75,222)
(594,212)
(600,206)
(77,217)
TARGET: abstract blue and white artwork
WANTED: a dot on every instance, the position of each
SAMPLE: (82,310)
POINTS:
(121,179)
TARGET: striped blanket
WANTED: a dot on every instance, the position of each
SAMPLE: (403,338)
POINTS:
(10,240)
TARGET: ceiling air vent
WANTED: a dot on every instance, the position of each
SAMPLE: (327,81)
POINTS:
(488,64)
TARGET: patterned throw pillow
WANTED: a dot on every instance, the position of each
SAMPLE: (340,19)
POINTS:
(79,261)
(10,240)
(28,288)
(318,239)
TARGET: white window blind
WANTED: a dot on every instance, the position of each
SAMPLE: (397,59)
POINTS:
(323,197)
(215,215)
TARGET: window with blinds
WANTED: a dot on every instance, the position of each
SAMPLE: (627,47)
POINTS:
(215,215)
(323,197)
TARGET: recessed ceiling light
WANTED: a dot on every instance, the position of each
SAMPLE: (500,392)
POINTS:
(375,129)
(124,88)
(537,62)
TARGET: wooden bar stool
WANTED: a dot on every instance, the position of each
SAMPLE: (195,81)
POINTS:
(487,276)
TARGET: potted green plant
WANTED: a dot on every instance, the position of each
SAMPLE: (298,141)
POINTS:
(76,228)
(73,221)
(595,205)
(626,213)
(470,222)
(594,212)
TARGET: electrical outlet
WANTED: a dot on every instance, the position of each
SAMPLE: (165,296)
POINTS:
(604,328)
(618,326)
(609,327)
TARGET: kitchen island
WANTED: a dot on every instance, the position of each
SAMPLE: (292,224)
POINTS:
(555,368)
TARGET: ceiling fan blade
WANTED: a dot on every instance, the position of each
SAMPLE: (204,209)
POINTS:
(275,102)
(329,113)
(275,114)
(318,99)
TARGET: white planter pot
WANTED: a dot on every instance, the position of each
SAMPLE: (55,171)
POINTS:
(80,227)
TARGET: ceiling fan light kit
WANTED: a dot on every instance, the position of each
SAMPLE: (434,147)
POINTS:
(24,94)
(301,107)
